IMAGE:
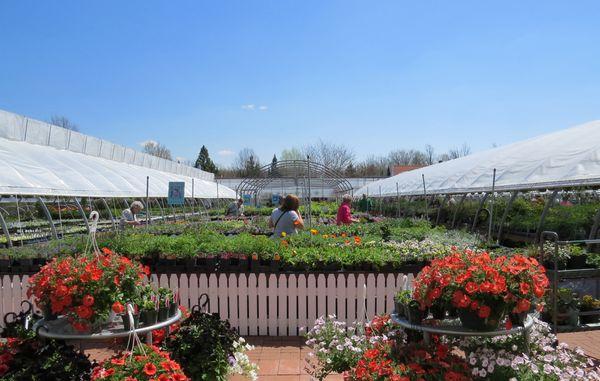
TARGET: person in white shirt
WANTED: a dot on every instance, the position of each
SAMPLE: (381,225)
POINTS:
(129,216)
(286,219)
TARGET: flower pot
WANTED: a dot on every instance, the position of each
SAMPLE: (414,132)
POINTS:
(471,320)
(163,313)
(517,319)
(173,307)
(48,314)
(136,321)
(577,262)
(415,314)
(590,319)
(149,317)
(190,263)
(399,309)
(452,312)
(438,311)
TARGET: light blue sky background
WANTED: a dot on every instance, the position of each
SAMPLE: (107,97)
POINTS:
(376,75)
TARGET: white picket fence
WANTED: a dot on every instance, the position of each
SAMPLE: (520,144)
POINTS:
(267,304)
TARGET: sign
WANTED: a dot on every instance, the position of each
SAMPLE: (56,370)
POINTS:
(275,199)
(247,198)
(176,193)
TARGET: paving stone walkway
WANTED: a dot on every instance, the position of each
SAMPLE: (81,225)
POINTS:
(282,358)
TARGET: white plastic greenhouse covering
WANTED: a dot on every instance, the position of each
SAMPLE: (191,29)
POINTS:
(30,169)
(565,158)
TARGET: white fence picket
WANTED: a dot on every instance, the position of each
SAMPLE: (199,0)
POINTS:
(282,305)
(256,305)
(292,294)
(262,305)
(222,292)
(232,299)
(253,305)
(351,299)
(303,322)
(243,304)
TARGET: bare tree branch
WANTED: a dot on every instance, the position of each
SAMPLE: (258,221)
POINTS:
(64,122)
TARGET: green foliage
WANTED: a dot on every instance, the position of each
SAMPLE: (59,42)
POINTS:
(202,346)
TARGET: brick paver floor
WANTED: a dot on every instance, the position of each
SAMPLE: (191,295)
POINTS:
(283,358)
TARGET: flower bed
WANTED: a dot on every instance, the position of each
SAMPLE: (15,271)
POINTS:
(381,351)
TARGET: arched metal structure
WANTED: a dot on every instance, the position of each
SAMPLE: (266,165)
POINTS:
(304,173)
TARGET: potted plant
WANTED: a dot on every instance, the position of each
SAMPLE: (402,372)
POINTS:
(401,301)
(482,288)
(165,296)
(577,257)
(146,363)
(415,312)
(589,304)
(567,307)
(86,288)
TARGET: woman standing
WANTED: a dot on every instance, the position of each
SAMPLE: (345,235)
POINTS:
(344,215)
(286,219)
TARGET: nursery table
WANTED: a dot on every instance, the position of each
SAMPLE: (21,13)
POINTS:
(453,327)
(62,330)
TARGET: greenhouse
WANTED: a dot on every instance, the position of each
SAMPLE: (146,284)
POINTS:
(498,247)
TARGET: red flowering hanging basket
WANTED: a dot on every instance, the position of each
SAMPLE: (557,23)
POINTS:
(86,288)
(144,364)
(482,287)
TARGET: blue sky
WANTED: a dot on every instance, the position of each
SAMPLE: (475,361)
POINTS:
(376,76)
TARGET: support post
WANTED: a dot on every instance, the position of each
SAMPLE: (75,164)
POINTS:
(110,215)
(547,207)
(5,231)
(439,213)
(82,212)
(48,217)
(512,198)
(489,237)
(398,197)
(147,201)
(309,198)
(458,206)
(481,203)
(425,197)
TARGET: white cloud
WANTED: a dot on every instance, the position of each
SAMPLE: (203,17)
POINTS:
(249,107)
(263,108)
(154,142)
(225,152)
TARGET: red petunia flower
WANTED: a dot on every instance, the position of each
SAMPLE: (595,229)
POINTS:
(150,369)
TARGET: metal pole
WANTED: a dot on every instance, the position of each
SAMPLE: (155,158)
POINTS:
(309,198)
(193,196)
(380,202)
(48,217)
(147,200)
(489,237)
(425,197)
(398,197)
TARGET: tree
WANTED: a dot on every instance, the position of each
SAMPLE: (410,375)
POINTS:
(247,163)
(350,170)
(429,154)
(292,154)
(333,156)
(273,171)
(204,162)
(156,149)
(64,122)
(461,151)
(410,157)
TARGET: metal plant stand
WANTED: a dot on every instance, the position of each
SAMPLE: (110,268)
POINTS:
(62,330)
(453,327)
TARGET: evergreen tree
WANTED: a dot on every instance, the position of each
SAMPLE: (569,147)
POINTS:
(204,162)
(273,171)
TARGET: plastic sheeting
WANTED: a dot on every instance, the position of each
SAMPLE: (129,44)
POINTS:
(569,157)
(30,169)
